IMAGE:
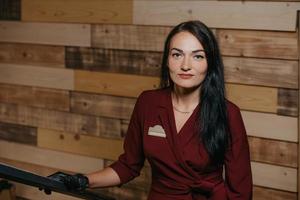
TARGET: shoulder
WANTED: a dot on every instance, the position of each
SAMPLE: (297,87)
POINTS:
(232,108)
(153,96)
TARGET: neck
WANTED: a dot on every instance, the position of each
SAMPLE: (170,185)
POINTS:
(185,99)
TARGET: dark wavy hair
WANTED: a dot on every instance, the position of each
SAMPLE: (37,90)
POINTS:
(213,124)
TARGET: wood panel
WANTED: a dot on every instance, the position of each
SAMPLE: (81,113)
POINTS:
(130,37)
(61,121)
(264,72)
(260,44)
(253,97)
(271,126)
(277,152)
(125,193)
(298,178)
(218,14)
(49,158)
(40,55)
(102,105)
(260,193)
(112,60)
(95,11)
(276,177)
(10,10)
(35,96)
(288,102)
(18,133)
(113,84)
(45,33)
(80,144)
(37,76)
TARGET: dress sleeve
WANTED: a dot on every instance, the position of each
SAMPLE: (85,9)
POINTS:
(238,176)
(129,164)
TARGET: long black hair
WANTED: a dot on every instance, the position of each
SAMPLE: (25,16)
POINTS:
(213,124)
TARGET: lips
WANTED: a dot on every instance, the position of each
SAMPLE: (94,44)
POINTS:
(185,76)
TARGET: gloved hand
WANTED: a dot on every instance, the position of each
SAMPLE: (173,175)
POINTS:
(76,182)
(72,182)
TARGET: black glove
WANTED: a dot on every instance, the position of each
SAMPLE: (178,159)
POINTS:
(76,182)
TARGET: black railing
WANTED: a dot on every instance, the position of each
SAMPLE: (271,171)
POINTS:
(28,178)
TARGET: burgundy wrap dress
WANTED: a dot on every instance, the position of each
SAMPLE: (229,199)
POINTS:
(181,168)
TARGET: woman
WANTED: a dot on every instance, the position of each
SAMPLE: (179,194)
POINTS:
(187,130)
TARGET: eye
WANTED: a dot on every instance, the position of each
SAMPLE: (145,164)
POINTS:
(176,55)
(198,57)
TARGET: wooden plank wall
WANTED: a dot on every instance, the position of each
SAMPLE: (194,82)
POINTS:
(70,72)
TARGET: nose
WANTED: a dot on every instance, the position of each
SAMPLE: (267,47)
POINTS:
(185,65)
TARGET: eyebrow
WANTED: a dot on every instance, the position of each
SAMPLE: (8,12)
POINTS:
(181,51)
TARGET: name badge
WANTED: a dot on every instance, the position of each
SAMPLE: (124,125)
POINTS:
(157,130)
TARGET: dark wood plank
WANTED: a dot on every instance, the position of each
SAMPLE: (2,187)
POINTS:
(111,60)
(260,44)
(32,54)
(273,151)
(261,193)
(35,96)
(18,133)
(10,10)
(287,102)
(102,105)
(61,121)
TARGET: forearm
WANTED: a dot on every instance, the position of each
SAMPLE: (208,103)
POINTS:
(103,178)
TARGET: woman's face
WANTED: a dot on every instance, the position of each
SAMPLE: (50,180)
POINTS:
(186,61)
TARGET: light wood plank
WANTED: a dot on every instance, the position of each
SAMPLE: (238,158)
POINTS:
(277,152)
(260,44)
(260,193)
(49,158)
(18,133)
(35,96)
(61,121)
(93,11)
(253,97)
(113,84)
(37,76)
(102,105)
(264,72)
(272,176)
(149,38)
(271,126)
(40,55)
(80,144)
(218,14)
(46,33)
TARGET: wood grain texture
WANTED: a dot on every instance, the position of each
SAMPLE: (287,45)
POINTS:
(102,105)
(112,60)
(253,97)
(35,96)
(60,121)
(40,55)
(298,177)
(260,44)
(125,193)
(287,102)
(261,193)
(80,144)
(130,37)
(277,152)
(218,14)
(46,33)
(264,72)
(93,11)
(49,158)
(18,133)
(113,83)
(37,76)
(10,10)
(271,126)
(273,176)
